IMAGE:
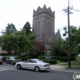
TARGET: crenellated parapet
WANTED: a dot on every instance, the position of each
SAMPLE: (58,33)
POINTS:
(44,10)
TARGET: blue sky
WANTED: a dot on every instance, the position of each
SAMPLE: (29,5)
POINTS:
(19,12)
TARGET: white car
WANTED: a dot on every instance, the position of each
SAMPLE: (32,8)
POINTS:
(33,64)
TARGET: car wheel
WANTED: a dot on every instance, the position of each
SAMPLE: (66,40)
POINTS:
(18,66)
(1,63)
(37,69)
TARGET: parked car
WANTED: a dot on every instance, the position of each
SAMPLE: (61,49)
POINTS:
(33,64)
(12,60)
(1,61)
(3,58)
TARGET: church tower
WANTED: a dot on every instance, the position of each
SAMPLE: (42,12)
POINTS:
(44,26)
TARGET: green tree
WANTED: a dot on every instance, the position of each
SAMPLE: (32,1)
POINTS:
(24,42)
(20,41)
(74,39)
(6,38)
(1,40)
(27,28)
(17,40)
(60,47)
(10,28)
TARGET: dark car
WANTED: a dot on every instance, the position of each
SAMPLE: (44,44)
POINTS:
(3,58)
(1,61)
(12,60)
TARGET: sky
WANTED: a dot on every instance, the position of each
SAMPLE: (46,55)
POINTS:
(19,12)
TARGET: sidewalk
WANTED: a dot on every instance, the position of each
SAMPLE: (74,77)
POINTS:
(57,67)
(62,68)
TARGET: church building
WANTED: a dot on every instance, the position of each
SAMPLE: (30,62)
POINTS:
(44,27)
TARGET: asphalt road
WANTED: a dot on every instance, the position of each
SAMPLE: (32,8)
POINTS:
(9,72)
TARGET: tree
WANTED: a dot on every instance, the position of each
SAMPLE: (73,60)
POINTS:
(10,28)
(1,40)
(27,28)
(16,40)
(6,38)
(74,39)
(40,48)
(60,47)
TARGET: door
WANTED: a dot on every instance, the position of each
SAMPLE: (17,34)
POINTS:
(26,64)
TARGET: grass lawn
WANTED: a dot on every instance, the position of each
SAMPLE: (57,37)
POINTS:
(75,65)
(10,55)
(78,58)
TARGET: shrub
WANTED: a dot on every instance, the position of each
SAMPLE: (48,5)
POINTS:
(52,57)
(41,57)
(51,61)
(26,57)
(64,59)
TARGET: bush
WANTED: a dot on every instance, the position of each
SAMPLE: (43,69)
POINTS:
(64,59)
(26,57)
(41,57)
(51,61)
(52,57)
(4,54)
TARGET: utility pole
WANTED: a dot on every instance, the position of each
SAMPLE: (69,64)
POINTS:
(69,41)
(69,46)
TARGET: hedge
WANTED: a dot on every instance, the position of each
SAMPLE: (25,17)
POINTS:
(51,61)
(64,59)
(43,57)
(26,57)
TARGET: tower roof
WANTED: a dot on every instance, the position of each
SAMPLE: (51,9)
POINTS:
(44,10)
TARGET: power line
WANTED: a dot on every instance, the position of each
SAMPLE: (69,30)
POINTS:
(61,20)
(58,12)
(61,16)
(74,9)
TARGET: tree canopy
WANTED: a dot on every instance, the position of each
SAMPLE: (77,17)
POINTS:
(10,28)
(19,41)
(27,28)
(61,45)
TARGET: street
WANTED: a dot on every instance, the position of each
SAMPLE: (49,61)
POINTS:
(9,72)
